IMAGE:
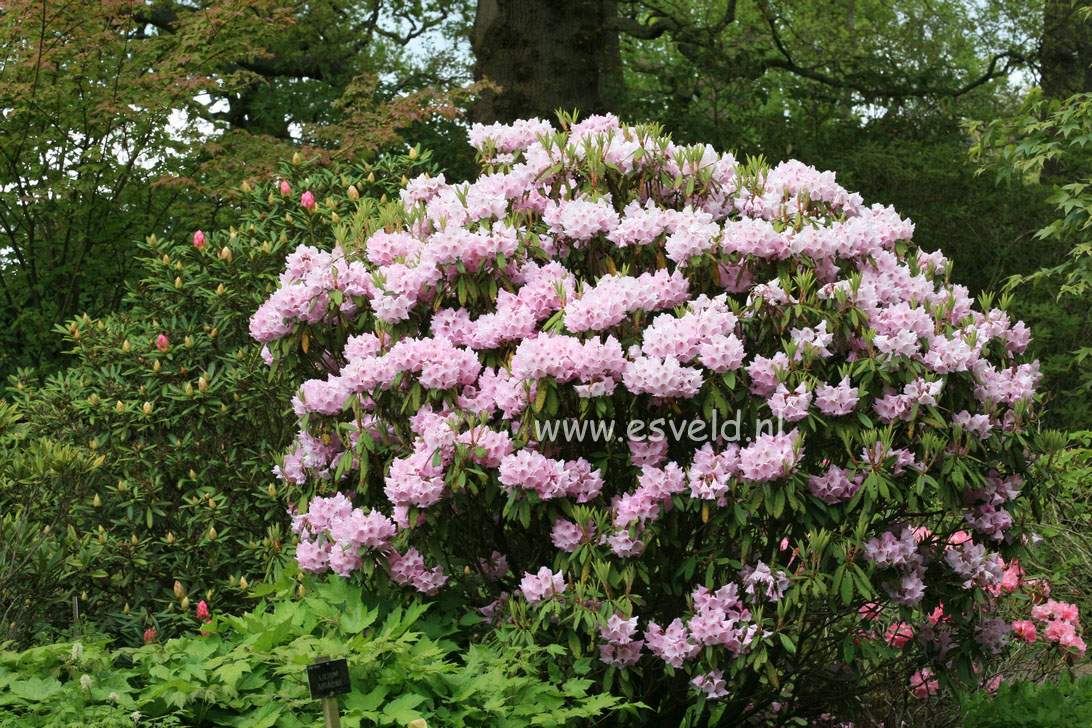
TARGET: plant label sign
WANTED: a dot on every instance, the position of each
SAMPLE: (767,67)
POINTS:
(329,678)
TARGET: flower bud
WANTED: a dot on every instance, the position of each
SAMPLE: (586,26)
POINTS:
(96,501)
(212,533)
(126,346)
(231,580)
(178,282)
(335,218)
(296,158)
(419,722)
(272,490)
(202,610)
(122,486)
(179,592)
(156,366)
(126,609)
(242,583)
(170,542)
(187,342)
(214,332)
(94,444)
(120,407)
(353,194)
(383,198)
(220,290)
(307,200)
(371,176)
(189,389)
(134,540)
(162,343)
(245,186)
(199,239)
(166,259)
(93,400)
(266,247)
(413,154)
(225,254)
(405,180)
(193,476)
(185,604)
(148,405)
(153,240)
(149,635)
(223,408)
(286,189)
(102,539)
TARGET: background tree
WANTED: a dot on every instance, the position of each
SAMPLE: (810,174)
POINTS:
(123,118)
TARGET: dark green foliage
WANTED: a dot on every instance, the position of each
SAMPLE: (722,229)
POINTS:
(188,435)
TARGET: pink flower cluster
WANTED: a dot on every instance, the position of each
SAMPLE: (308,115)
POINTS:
(545,584)
(1060,621)
(333,533)
(618,647)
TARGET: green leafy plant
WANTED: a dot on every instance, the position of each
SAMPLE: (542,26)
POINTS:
(1057,704)
(249,670)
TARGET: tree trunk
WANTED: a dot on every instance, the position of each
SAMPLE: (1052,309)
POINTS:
(546,55)
(1065,55)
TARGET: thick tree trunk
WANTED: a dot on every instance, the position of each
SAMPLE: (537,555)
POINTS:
(546,55)
(1065,55)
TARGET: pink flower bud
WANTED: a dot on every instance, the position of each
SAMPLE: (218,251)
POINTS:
(161,342)
(202,610)
(307,200)
(199,240)
(149,635)
(285,189)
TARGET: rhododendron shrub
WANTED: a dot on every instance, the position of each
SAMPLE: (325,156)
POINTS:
(855,523)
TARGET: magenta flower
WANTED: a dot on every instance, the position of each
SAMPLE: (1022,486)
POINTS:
(285,189)
(162,343)
(307,200)
(202,610)
(149,635)
(199,240)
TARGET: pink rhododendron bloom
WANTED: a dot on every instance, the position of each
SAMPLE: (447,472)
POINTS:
(923,685)
(898,634)
(712,684)
(199,240)
(543,585)
(286,190)
(1025,630)
(149,635)
(618,647)
(202,610)
(307,200)
(162,343)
